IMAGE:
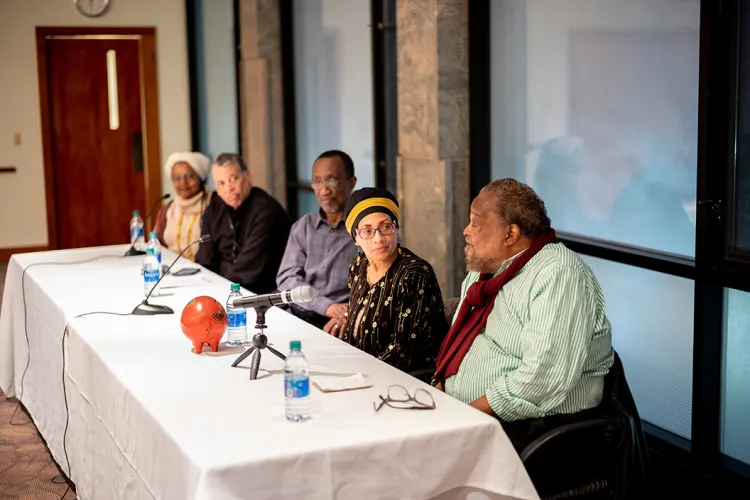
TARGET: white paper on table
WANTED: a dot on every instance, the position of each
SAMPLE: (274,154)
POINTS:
(356,381)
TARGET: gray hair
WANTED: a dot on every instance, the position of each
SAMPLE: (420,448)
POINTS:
(516,203)
(226,159)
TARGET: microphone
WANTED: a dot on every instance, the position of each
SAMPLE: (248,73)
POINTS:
(146,309)
(261,303)
(296,296)
(132,251)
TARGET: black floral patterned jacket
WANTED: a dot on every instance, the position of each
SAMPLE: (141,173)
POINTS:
(400,319)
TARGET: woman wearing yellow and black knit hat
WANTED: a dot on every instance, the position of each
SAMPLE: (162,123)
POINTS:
(395,305)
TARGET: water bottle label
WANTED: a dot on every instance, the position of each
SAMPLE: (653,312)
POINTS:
(151,275)
(158,257)
(236,319)
(296,386)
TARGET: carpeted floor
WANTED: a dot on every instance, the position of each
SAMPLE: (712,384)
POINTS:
(27,471)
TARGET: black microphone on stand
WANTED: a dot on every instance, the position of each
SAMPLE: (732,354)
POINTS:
(261,304)
(297,295)
(146,309)
(132,251)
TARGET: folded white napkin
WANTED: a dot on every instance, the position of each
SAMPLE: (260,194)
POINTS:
(336,384)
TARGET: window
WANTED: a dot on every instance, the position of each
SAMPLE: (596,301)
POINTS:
(652,330)
(216,127)
(735,435)
(740,239)
(333,80)
(595,105)
(306,202)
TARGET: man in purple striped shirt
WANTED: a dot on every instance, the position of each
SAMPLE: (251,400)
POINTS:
(319,249)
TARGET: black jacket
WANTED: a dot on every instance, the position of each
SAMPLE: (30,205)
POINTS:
(246,244)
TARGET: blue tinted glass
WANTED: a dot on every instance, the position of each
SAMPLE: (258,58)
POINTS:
(652,330)
(735,428)
(306,202)
(333,84)
(595,104)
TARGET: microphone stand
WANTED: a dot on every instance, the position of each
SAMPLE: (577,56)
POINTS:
(260,342)
(146,309)
(132,251)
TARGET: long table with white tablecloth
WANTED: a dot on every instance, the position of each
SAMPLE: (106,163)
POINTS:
(148,418)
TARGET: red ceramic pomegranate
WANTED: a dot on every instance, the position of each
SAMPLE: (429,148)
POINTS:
(204,321)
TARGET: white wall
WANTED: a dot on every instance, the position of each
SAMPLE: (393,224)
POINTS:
(22,195)
(333,79)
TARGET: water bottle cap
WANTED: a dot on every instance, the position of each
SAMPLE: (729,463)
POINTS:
(235,287)
(149,251)
(152,234)
(136,212)
(295,345)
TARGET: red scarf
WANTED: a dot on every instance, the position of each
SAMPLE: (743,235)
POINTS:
(476,308)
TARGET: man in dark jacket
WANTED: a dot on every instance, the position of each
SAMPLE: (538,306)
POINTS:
(249,229)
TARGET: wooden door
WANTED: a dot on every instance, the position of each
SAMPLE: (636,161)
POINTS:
(95,142)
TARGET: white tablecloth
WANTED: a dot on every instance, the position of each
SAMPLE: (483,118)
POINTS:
(151,419)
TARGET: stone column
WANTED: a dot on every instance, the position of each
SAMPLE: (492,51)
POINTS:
(433,135)
(261,100)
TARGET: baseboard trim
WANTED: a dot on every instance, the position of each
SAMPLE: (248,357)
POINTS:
(5,253)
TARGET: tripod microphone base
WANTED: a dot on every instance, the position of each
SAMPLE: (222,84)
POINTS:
(146,309)
(132,252)
(260,342)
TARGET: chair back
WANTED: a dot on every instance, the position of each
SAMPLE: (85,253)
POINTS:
(595,450)
(450,305)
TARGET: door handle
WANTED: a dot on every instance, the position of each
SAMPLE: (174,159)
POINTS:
(714,206)
(137,152)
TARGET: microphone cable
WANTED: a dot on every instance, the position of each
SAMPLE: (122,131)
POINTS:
(59,478)
(25,317)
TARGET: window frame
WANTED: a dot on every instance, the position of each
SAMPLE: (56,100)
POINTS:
(384,86)
(714,266)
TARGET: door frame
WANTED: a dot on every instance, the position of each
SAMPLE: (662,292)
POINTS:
(149,99)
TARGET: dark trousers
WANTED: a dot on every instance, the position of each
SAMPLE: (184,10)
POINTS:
(560,464)
(522,432)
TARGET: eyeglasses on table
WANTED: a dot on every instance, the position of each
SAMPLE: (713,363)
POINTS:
(399,398)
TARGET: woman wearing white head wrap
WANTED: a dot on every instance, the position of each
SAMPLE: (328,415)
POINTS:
(179,222)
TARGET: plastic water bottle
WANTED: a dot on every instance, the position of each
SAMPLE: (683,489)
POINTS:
(136,231)
(296,384)
(153,242)
(150,272)
(236,319)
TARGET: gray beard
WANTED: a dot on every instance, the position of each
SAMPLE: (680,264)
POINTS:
(478,264)
(334,210)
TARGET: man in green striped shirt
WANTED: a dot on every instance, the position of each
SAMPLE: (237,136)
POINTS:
(546,344)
